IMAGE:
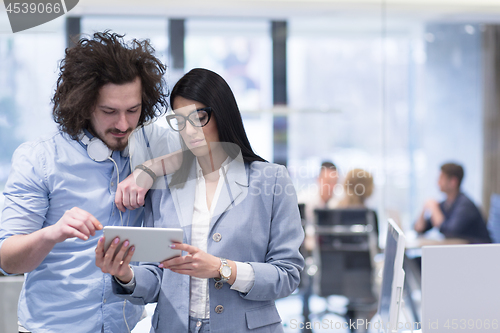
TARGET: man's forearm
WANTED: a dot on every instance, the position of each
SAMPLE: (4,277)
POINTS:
(165,164)
(437,216)
(420,224)
(23,253)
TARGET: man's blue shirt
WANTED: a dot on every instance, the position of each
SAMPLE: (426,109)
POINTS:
(67,291)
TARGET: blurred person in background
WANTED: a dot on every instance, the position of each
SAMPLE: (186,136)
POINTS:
(457,216)
(319,196)
(358,186)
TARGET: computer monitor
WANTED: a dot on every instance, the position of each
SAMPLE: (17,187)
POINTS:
(392,279)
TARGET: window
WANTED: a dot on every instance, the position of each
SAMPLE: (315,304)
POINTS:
(240,51)
(398,109)
(28,75)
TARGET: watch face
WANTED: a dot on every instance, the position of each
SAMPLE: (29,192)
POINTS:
(226,272)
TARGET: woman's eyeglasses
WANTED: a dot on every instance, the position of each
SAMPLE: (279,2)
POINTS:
(197,118)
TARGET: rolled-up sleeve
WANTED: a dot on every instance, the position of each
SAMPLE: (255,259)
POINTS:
(26,194)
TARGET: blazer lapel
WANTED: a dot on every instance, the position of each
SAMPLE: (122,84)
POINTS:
(184,202)
(234,188)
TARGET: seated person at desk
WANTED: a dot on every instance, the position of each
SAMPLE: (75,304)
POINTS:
(358,186)
(457,216)
(321,195)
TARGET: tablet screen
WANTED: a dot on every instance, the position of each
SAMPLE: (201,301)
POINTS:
(151,244)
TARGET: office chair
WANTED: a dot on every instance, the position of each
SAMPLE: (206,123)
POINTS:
(305,285)
(303,251)
(494,218)
(347,242)
(302,212)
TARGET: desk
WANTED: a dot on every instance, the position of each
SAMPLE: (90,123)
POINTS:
(413,253)
(412,263)
(460,283)
(419,242)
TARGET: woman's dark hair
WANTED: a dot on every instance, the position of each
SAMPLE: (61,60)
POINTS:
(106,58)
(209,88)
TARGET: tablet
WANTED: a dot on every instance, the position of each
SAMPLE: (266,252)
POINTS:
(151,244)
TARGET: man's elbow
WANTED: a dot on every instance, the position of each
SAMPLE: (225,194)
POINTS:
(4,266)
(8,264)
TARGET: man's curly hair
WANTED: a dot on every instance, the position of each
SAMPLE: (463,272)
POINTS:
(103,59)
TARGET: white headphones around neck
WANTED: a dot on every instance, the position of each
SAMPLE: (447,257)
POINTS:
(96,149)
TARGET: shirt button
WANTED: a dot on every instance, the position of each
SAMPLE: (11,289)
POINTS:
(219,309)
(217,237)
(218,285)
(112,183)
(104,301)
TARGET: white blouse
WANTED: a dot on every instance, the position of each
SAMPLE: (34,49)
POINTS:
(199,295)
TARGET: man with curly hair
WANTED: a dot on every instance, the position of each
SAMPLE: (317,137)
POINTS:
(61,190)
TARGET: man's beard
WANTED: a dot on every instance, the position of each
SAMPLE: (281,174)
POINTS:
(119,144)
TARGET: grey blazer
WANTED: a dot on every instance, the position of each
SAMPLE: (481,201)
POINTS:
(256,221)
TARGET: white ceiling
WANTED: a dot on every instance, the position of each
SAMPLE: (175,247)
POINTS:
(482,10)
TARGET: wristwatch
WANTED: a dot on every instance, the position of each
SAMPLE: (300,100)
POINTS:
(224,270)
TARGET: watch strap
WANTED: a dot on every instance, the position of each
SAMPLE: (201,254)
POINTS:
(146,170)
(224,263)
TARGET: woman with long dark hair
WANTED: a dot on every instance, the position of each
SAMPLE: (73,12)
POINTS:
(240,217)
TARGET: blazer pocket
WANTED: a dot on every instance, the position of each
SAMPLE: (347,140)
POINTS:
(262,316)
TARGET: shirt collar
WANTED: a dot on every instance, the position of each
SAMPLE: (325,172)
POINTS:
(87,133)
(224,165)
